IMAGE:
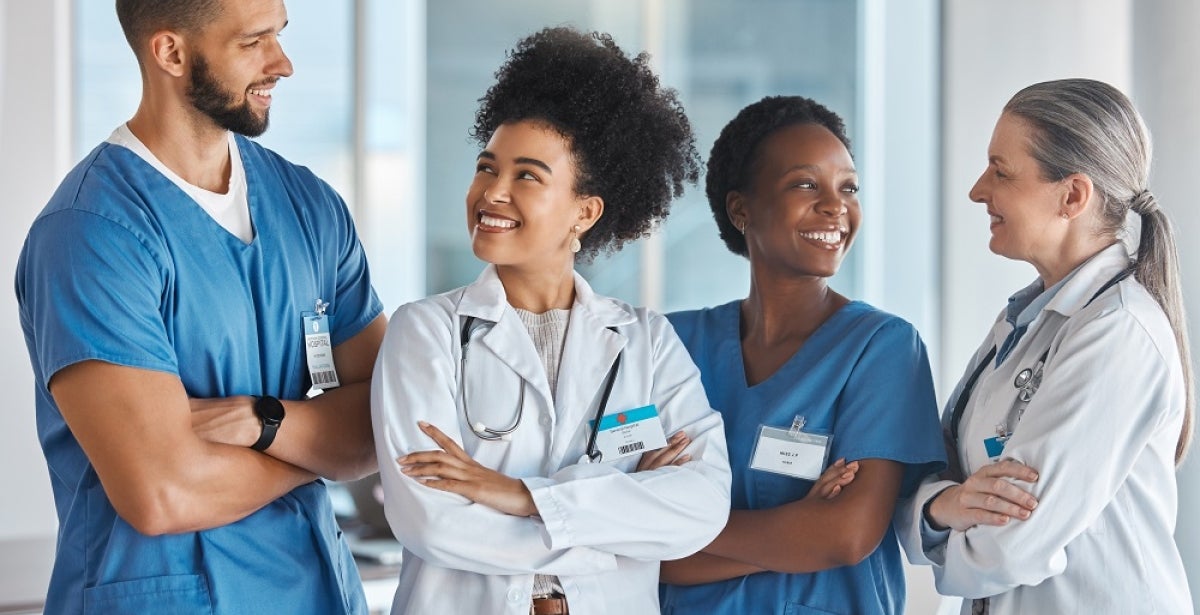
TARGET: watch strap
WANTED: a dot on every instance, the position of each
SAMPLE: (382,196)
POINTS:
(269,419)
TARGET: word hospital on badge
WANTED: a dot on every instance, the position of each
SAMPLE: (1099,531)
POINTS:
(318,349)
(791,452)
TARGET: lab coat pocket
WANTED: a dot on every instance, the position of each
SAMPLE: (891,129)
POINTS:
(184,594)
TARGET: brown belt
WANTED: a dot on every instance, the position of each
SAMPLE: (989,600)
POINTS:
(553,605)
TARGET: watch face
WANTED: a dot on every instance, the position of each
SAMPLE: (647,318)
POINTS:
(269,409)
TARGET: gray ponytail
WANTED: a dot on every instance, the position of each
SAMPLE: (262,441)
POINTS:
(1089,127)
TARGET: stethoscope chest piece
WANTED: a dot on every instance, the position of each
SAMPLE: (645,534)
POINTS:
(1023,378)
(1027,382)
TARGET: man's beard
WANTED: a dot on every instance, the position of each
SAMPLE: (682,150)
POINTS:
(207,96)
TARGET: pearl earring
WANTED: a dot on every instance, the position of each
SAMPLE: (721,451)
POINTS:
(575,246)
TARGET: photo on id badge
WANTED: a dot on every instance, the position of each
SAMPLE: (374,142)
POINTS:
(791,451)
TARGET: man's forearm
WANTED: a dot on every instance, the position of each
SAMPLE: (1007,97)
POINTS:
(329,435)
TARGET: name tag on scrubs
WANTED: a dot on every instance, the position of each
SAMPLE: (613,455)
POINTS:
(632,432)
(798,454)
(319,351)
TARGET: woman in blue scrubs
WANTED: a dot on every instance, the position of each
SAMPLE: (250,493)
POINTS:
(802,373)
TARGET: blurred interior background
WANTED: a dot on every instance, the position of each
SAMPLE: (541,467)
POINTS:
(385,91)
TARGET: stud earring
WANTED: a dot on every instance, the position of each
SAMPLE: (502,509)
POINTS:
(575,247)
(1064,215)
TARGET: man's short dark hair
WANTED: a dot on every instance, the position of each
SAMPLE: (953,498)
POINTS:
(141,18)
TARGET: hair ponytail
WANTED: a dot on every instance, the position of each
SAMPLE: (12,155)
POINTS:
(1087,126)
(1158,271)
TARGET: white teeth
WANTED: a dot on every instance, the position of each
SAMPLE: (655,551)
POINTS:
(830,237)
(996,218)
(266,93)
(486,220)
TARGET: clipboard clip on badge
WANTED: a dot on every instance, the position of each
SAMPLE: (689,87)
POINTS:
(320,307)
(797,426)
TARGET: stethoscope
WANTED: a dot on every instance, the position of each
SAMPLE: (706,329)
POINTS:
(479,429)
(1027,381)
(484,432)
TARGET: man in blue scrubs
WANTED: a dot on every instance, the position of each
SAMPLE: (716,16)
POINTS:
(180,282)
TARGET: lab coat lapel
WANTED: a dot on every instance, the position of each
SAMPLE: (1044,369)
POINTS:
(507,339)
(588,354)
(510,342)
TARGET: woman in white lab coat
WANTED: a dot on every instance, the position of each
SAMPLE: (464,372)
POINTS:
(505,498)
(1070,420)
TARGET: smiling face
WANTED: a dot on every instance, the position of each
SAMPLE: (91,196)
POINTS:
(1024,207)
(521,205)
(235,65)
(800,212)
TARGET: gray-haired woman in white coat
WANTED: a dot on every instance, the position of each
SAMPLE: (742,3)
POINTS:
(1070,420)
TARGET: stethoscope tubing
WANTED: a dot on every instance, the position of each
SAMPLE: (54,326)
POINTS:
(484,432)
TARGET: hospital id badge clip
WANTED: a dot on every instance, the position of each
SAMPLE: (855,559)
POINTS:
(995,445)
(792,451)
(318,349)
(631,432)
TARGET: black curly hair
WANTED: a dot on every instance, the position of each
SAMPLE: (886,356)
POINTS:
(735,153)
(630,140)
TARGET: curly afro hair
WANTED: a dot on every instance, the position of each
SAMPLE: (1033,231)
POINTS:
(630,141)
(735,152)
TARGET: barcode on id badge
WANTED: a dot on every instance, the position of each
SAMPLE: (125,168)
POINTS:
(625,449)
(324,377)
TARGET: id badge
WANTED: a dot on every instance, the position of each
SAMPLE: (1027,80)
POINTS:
(632,432)
(318,350)
(995,446)
(791,452)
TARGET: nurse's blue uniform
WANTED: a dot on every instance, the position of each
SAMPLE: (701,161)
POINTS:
(862,376)
(123,267)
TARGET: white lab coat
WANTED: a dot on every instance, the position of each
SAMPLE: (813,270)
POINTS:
(602,528)
(1101,431)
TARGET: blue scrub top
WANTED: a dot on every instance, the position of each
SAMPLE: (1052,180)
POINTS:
(862,376)
(123,267)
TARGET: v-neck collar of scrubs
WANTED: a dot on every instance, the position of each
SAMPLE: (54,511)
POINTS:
(241,173)
(734,321)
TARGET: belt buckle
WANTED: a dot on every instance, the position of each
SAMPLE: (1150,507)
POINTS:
(550,604)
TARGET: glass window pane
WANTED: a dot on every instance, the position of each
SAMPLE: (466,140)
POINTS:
(467,40)
(719,54)
(735,53)
(311,116)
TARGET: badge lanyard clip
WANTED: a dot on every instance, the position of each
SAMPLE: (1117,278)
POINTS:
(791,451)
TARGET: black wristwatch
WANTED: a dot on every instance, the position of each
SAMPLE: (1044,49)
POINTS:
(270,414)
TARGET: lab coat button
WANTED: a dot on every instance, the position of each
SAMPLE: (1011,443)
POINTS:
(515,595)
(544,419)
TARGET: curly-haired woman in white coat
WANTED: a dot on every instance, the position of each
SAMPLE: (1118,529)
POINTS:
(506,492)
